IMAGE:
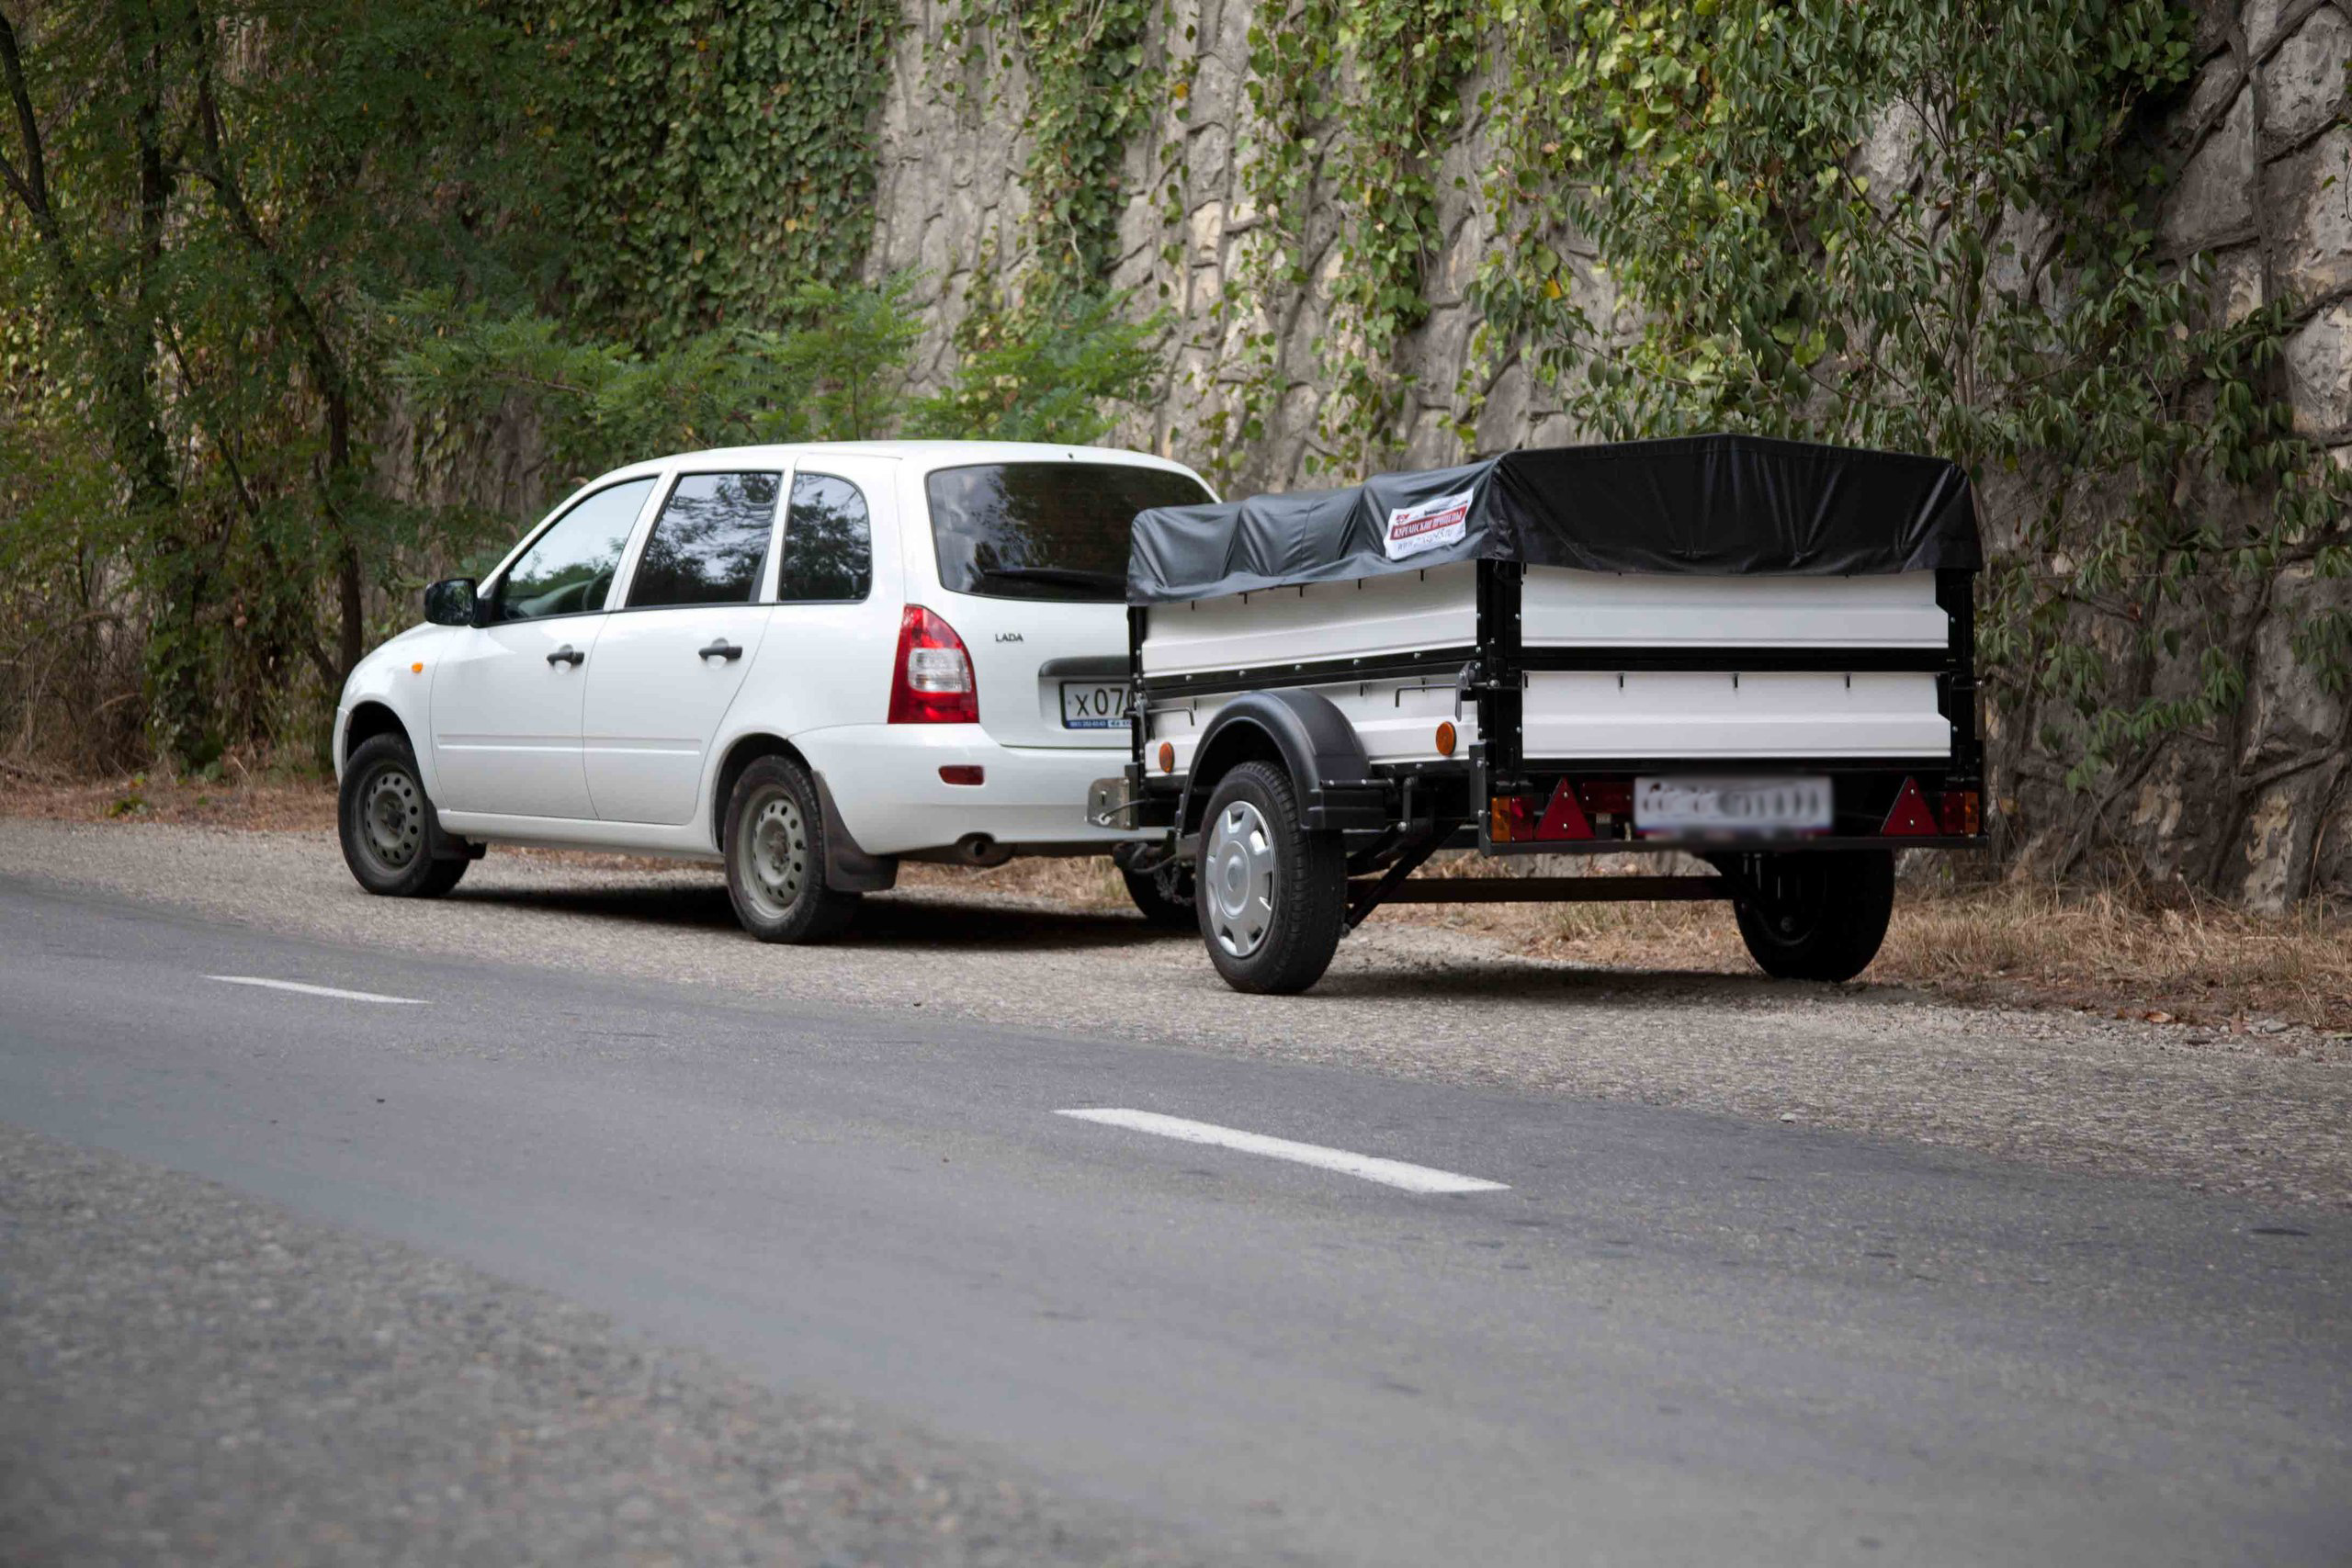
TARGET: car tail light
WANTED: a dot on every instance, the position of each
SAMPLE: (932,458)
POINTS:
(1908,819)
(931,682)
(1961,812)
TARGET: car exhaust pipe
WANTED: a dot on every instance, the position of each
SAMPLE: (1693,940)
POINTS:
(978,849)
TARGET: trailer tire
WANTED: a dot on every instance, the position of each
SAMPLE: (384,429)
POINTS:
(1272,897)
(1822,914)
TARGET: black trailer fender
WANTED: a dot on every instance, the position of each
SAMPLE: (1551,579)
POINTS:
(1328,768)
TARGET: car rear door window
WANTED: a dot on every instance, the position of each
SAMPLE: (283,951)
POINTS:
(828,543)
(711,544)
(569,569)
(1045,530)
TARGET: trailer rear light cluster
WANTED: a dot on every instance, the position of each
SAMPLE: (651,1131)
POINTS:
(932,681)
(1961,812)
(1514,819)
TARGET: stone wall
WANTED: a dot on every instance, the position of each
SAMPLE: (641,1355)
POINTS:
(2261,810)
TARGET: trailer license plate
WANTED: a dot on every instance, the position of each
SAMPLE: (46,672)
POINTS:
(1093,705)
(1731,806)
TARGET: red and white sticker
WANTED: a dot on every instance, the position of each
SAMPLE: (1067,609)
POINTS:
(1412,529)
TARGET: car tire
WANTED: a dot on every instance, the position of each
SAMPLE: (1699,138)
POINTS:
(775,856)
(1272,897)
(391,840)
(1158,904)
(1820,916)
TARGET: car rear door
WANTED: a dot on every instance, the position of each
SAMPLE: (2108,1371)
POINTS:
(1030,559)
(673,657)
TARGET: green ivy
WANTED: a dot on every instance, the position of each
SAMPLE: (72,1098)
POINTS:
(719,155)
(1999,299)
(1093,82)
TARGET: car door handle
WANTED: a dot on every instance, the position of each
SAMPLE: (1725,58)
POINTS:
(721,649)
(567,654)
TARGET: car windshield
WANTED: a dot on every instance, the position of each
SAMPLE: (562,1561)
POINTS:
(1045,530)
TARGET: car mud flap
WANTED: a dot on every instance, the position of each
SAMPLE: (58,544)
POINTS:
(849,869)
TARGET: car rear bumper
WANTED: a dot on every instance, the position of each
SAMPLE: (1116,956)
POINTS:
(886,781)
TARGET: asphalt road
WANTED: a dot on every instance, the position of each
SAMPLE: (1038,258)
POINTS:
(1668,1337)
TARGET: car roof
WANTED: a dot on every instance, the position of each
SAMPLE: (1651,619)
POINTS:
(924,455)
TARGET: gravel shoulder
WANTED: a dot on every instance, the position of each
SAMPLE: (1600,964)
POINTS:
(192,1375)
(2266,1117)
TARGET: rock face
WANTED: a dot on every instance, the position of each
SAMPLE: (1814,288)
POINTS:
(2259,809)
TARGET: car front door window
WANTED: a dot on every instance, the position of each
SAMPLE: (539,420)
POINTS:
(569,569)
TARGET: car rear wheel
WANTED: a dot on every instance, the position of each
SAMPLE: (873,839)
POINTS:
(391,841)
(775,856)
(1272,897)
(1817,916)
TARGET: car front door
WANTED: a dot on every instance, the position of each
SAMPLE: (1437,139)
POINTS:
(506,697)
(671,659)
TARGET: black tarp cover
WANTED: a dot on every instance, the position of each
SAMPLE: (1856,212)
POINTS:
(1709,505)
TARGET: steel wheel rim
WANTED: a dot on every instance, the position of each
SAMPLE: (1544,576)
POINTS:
(775,853)
(1241,877)
(391,818)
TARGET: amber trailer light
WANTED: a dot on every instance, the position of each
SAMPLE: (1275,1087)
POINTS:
(1167,758)
(1445,739)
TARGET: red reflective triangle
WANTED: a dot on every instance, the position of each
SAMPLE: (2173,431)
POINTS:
(1563,818)
(1909,819)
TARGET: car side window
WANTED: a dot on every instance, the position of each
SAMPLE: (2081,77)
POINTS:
(828,543)
(711,544)
(569,569)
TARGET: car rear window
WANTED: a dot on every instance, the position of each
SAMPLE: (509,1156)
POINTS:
(1045,530)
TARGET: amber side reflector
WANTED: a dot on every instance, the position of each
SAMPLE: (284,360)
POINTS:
(1167,758)
(417,667)
(1445,739)
(962,773)
(1908,817)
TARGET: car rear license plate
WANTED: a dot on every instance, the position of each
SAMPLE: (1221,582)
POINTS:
(1731,806)
(1093,705)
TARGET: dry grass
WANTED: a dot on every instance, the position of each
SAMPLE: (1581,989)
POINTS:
(2196,963)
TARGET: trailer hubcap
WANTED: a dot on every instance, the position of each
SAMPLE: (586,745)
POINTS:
(1239,868)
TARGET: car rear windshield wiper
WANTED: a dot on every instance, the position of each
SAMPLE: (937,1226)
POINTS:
(1069,575)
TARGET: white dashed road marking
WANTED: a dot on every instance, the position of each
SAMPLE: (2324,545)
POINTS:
(318,990)
(1391,1172)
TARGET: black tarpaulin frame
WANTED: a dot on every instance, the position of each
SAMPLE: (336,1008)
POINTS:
(1705,505)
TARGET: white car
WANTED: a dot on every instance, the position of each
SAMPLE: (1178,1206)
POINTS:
(808,661)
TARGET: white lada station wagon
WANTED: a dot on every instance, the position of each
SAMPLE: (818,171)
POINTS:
(808,661)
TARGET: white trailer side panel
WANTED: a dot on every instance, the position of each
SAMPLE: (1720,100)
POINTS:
(1370,617)
(1561,608)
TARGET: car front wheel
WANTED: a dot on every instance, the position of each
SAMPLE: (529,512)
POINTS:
(775,856)
(385,821)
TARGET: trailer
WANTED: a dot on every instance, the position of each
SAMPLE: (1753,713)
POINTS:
(1759,653)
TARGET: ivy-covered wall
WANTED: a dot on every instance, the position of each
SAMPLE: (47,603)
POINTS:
(1334,201)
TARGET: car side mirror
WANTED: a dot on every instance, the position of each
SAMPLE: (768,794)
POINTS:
(451,603)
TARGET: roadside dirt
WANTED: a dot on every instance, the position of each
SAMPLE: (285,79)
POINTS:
(2194,964)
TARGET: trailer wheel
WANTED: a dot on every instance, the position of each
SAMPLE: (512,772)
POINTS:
(1820,916)
(1272,897)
